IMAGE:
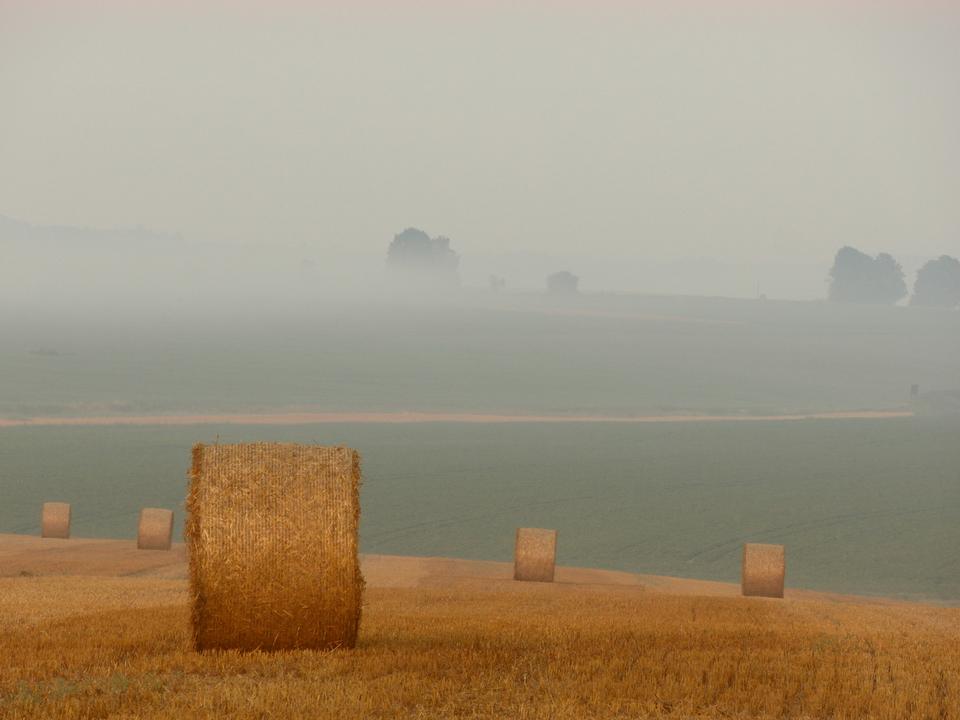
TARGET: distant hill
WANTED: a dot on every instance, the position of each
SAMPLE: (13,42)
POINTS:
(64,263)
(14,231)
(74,263)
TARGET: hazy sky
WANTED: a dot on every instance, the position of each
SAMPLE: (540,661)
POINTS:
(778,129)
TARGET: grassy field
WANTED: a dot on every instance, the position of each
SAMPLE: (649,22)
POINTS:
(870,507)
(95,647)
(620,355)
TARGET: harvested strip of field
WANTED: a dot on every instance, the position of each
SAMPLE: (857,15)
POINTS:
(30,556)
(309,418)
(540,651)
(444,638)
(27,555)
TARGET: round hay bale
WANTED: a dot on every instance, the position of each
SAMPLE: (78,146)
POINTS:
(55,520)
(535,555)
(155,529)
(764,569)
(272,537)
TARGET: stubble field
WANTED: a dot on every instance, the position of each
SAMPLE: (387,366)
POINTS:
(82,647)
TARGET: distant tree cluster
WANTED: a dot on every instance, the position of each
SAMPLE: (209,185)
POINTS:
(859,278)
(562,283)
(424,262)
(414,254)
(497,282)
(938,283)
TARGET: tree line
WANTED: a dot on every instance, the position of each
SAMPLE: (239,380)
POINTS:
(854,278)
(430,262)
(859,278)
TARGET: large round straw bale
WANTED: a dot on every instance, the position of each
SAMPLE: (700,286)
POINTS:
(764,568)
(55,520)
(155,529)
(272,536)
(535,554)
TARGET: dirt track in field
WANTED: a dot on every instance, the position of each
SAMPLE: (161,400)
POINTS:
(310,418)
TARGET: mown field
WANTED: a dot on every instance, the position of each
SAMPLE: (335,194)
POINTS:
(870,507)
(95,647)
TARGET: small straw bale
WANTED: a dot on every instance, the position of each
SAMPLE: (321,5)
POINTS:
(764,568)
(155,530)
(55,520)
(535,554)
(272,537)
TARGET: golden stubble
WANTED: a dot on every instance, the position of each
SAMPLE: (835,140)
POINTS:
(541,651)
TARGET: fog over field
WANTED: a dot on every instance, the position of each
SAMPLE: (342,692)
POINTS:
(679,148)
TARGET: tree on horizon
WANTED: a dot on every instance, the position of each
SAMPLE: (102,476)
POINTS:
(858,278)
(938,283)
(414,254)
(562,283)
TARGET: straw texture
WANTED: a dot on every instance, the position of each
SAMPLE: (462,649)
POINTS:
(535,554)
(272,537)
(155,529)
(55,520)
(764,569)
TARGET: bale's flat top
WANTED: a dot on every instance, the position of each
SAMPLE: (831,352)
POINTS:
(764,548)
(156,515)
(537,540)
(56,512)
(764,558)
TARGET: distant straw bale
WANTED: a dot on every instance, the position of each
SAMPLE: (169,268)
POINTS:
(764,568)
(272,537)
(55,520)
(535,554)
(155,529)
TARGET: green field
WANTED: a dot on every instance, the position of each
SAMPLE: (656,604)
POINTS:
(863,506)
(620,355)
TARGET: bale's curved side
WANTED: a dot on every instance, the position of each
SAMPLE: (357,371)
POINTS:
(272,532)
(55,520)
(535,555)
(764,570)
(155,529)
